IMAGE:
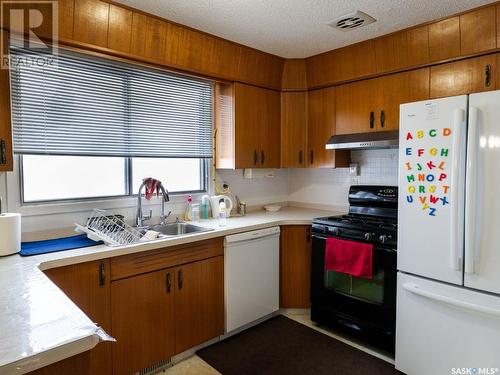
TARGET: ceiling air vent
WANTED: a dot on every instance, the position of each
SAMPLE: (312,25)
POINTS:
(351,21)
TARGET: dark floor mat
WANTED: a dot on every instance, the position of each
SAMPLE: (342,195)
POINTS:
(283,346)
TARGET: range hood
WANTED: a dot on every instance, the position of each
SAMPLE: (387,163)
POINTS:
(363,141)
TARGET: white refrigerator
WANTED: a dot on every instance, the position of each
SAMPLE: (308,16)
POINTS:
(448,292)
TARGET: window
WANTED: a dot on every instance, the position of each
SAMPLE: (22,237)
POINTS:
(87,127)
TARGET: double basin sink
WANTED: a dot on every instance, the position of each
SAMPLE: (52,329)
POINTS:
(177,229)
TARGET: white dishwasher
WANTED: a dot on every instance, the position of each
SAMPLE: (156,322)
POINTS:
(251,278)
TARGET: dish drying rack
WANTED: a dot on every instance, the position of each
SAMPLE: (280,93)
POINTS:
(109,228)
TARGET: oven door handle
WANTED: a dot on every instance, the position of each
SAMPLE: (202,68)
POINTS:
(374,246)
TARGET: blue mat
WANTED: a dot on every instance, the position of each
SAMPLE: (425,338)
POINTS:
(58,244)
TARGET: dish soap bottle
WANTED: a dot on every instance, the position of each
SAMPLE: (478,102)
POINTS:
(187,215)
(222,213)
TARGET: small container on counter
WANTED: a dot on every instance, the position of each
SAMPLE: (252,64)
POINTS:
(243,208)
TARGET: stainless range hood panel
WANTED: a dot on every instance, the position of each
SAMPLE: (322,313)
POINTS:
(364,141)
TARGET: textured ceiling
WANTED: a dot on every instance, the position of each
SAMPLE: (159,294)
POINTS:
(298,28)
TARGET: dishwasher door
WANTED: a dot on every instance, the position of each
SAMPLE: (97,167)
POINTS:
(251,278)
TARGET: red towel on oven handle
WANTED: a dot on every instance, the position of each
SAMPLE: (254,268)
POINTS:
(353,258)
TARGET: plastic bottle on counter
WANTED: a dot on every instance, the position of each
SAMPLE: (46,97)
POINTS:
(222,213)
(187,215)
(205,207)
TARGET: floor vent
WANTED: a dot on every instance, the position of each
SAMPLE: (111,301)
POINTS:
(156,367)
(351,21)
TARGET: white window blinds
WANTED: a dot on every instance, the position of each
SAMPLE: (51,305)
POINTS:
(89,106)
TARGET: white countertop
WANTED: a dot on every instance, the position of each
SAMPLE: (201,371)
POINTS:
(39,325)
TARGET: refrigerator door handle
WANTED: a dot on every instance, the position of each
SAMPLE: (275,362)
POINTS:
(414,288)
(456,234)
(470,186)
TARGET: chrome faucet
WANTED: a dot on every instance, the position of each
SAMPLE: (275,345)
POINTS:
(141,218)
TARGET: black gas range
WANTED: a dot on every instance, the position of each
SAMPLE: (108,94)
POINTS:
(364,308)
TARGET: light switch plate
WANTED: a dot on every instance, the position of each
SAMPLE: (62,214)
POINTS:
(354,169)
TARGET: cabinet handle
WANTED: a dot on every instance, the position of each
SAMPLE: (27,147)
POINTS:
(382,119)
(102,275)
(312,157)
(169,282)
(3,153)
(262,158)
(300,157)
(487,75)
(179,279)
(372,120)
(255,157)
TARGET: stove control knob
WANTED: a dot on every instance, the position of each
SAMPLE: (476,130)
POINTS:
(368,236)
(383,238)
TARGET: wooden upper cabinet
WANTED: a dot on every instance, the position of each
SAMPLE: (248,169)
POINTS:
(320,127)
(396,89)
(391,51)
(120,28)
(143,321)
(199,302)
(6,154)
(498,25)
(356,107)
(355,61)
(256,127)
(156,37)
(444,39)
(418,45)
(66,14)
(88,286)
(464,77)
(294,75)
(294,129)
(91,22)
(478,30)
(138,35)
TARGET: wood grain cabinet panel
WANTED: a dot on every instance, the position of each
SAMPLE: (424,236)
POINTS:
(444,39)
(66,14)
(295,266)
(88,286)
(156,37)
(464,77)
(396,89)
(199,302)
(391,51)
(143,321)
(91,22)
(76,365)
(120,28)
(418,45)
(320,127)
(138,35)
(294,129)
(478,30)
(356,106)
(270,130)
(6,154)
(498,25)
(356,61)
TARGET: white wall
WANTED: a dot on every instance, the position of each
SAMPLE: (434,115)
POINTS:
(331,186)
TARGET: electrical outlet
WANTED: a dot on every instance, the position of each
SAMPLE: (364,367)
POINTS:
(354,169)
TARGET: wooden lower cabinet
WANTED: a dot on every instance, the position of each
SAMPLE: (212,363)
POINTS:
(87,285)
(295,266)
(142,320)
(76,365)
(199,302)
(162,313)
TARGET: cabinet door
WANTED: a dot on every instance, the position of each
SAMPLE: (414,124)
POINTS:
(120,28)
(294,129)
(355,107)
(320,127)
(199,302)
(143,320)
(91,22)
(295,266)
(6,155)
(464,77)
(391,51)
(270,130)
(248,102)
(478,30)
(88,286)
(444,39)
(396,89)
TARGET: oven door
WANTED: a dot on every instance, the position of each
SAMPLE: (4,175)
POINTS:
(362,305)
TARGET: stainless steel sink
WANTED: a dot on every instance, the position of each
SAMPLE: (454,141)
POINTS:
(178,229)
